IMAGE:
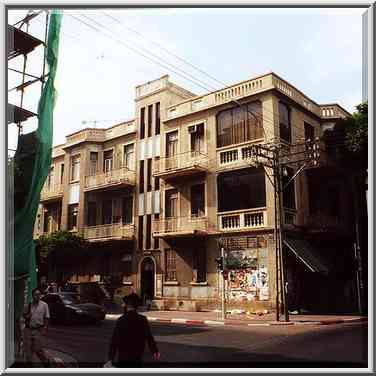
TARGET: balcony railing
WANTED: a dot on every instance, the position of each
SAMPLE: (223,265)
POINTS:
(187,163)
(113,230)
(180,226)
(50,192)
(234,156)
(242,220)
(122,176)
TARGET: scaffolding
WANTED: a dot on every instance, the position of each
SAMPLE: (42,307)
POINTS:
(21,43)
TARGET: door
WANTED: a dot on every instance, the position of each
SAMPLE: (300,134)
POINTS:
(147,280)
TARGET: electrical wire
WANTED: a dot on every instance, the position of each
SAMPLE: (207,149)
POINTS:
(140,52)
(164,49)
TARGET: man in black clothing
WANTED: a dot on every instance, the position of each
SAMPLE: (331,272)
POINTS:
(131,332)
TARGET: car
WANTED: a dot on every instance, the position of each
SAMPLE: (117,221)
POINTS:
(68,307)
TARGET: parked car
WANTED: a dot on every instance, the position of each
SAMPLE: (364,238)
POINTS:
(68,307)
(90,291)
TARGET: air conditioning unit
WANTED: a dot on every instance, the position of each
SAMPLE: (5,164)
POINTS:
(192,129)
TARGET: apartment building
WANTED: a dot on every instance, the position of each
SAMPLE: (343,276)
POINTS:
(158,196)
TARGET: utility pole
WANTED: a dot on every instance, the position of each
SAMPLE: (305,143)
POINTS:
(271,156)
(220,267)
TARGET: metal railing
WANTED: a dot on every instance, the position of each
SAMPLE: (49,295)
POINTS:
(50,191)
(181,161)
(180,224)
(113,230)
(111,177)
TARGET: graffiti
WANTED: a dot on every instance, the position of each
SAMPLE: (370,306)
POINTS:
(248,277)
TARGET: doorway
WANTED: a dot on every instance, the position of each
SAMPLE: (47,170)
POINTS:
(147,280)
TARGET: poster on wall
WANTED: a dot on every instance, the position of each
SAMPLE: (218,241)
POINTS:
(248,275)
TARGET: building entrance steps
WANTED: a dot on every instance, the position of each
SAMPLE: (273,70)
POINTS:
(215,318)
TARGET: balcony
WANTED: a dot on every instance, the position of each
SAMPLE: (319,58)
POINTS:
(184,164)
(109,232)
(51,193)
(233,157)
(240,220)
(122,177)
(181,227)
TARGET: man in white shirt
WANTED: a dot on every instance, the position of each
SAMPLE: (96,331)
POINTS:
(36,320)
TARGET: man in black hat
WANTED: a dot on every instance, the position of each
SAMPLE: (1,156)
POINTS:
(131,332)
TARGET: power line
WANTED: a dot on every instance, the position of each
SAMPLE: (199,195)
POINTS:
(164,49)
(184,75)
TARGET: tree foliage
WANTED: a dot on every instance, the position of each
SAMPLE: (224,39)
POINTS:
(60,241)
(356,137)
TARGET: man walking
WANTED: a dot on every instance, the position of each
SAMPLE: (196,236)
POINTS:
(36,324)
(131,332)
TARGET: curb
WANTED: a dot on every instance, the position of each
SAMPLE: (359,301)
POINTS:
(247,323)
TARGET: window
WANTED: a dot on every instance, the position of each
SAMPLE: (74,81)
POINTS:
(309,133)
(171,150)
(129,156)
(239,124)
(156,179)
(149,174)
(156,240)
(62,173)
(171,143)
(140,232)
(50,177)
(244,189)
(157,118)
(170,264)
(47,223)
(199,265)
(107,212)
(171,203)
(75,168)
(148,231)
(127,214)
(289,192)
(142,123)
(197,140)
(108,161)
(91,213)
(150,119)
(72,217)
(284,122)
(142,177)
(198,200)
(93,167)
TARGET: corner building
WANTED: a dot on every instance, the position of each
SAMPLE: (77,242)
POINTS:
(156,194)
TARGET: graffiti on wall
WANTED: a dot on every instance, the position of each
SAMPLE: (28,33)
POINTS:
(248,278)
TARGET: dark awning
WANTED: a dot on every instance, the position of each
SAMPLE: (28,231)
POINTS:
(17,114)
(20,43)
(308,254)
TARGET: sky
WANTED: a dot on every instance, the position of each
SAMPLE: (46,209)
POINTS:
(317,50)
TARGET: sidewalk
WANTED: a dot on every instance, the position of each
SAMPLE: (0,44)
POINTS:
(236,319)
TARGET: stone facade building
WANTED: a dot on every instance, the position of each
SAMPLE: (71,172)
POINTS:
(154,195)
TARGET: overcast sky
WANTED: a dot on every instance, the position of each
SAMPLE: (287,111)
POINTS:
(317,50)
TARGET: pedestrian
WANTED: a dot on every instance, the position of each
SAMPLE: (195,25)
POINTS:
(131,332)
(36,325)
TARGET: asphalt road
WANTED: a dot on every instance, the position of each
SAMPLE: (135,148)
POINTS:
(342,345)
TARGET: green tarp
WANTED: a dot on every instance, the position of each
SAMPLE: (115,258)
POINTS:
(24,249)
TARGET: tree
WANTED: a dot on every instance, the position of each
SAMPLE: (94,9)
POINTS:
(63,251)
(357,130)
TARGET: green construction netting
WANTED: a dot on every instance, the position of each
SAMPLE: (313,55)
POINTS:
(24,248)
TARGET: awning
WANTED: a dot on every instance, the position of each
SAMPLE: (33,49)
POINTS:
(308,254)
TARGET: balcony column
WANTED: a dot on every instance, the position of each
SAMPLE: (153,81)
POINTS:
(241,220)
